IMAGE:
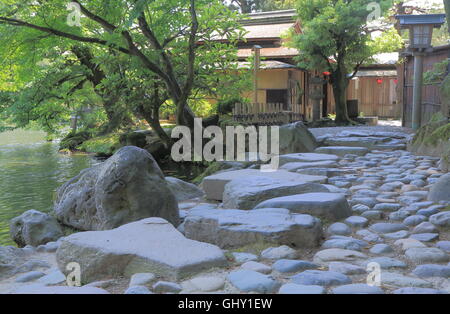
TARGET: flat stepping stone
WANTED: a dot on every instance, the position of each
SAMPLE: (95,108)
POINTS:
(247,192)
(427,255)
(384,227)
(406,244)
(307,157)
(150,245)
(357,288)
(341,151)
(252,281)
(232,228)
(292,266)
(414,220)
(333,206)
(292,288)
(294,166)
(53,278)
(381,248)
(320,278)
(425,227)
(214,185)
(396,235)
(330,255)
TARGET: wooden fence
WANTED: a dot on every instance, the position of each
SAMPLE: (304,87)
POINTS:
(267,114)
(431,99)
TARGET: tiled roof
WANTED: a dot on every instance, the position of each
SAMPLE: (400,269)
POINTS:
(267,31)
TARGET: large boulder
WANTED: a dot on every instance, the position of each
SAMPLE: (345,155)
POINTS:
(332,206)
(247,192)
(214,185)
(182,190)
(10,258)
(440,191)
(127,187)
(148,246)
(296,138)
(231,228)
(34,228)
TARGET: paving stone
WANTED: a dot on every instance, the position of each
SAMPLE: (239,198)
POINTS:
(346,268)
(330,255)
(384,227)
(426,255)
(292,288)
(339,228)
(252,281)
(381,248)
(291,266)
(425,237)
(387,262)
(357,221)
(432,270)
(320,278)
(281,252)
(358,288)
(258,267)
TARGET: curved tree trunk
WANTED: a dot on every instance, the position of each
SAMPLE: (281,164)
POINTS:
(339,82)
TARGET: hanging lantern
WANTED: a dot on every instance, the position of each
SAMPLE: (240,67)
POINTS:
(396,81)
(379,81)
(326,73)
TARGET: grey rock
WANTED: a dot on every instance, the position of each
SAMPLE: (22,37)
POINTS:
(358,288)
(425,237)
(414,220)
(399,280)
(230,228)
(345,243)
(247,192)
(387,262)
(441,219)
(396,235)
(357,221)
(332,206)
(373,214)
(320,278)
(137,290)
(150,245)
(381,248)
(34,228)
(296,138)
(53,278)
(425,227)
(128,187)
(444,246)
(346,268)
(432,270)
(413,290)
(30,276)
(251,281)
(291,266)
(258,267)
(292,288)
(281,252)
(426,255)
(342,150)
(339,228)
(440,190)
(166,287)
(383,227)
(141,279)
(244,257)
(340,255)
(389,207)
(182,190)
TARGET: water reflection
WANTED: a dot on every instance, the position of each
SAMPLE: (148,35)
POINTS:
(30,175)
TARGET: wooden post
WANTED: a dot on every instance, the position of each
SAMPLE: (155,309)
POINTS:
(256,65)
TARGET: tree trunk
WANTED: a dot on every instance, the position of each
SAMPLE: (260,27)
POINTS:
(339,81)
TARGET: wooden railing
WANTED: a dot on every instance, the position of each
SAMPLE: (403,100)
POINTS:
(267,114)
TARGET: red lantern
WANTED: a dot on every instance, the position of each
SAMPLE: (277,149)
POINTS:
(326,73)
(379,81)
(396,81)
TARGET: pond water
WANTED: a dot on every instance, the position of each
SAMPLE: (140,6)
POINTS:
(30,172)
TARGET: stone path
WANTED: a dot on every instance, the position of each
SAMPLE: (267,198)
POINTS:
(391,226)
